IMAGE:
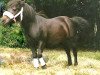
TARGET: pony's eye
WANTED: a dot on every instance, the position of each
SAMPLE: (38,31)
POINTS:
(14,8)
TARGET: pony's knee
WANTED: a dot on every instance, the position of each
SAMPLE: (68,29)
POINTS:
(34,55)
(39,55)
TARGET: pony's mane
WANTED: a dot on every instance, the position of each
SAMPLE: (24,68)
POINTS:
(41,13)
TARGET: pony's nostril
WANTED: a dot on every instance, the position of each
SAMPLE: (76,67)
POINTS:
(1,20)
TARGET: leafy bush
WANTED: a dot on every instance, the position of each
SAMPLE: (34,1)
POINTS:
(11,36)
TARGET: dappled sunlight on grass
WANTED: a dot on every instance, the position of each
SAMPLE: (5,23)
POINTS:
(17,61)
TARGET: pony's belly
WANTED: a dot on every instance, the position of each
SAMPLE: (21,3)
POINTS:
(54,45)
(55,42)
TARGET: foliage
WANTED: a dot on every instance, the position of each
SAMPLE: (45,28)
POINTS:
(11,36)
(67,7)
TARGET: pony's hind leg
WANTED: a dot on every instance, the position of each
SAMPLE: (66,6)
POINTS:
(68,56)
(75,56)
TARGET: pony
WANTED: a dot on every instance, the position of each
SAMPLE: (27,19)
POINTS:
(58,32)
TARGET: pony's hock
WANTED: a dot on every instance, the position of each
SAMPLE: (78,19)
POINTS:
(40,32)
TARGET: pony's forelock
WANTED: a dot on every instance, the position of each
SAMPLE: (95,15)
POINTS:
(19,2)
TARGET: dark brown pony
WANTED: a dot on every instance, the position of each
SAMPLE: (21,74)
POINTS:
(40,32)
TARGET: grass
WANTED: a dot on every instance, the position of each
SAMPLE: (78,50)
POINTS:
(18,62)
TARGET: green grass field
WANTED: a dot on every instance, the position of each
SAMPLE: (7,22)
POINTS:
(18,62)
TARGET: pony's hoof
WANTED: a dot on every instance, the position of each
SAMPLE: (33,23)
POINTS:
(36,68)
(75,64)
(69,64)
(44,67)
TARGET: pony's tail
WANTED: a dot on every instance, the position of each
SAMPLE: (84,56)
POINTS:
(80,22)
(82,27)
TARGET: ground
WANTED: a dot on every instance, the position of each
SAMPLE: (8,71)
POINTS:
(17,61)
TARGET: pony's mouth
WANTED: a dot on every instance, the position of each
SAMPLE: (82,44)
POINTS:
(6,20)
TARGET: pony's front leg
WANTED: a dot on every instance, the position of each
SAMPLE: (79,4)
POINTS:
(39,55)
(35,60)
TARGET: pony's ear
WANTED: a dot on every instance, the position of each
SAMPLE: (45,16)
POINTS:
(22,2)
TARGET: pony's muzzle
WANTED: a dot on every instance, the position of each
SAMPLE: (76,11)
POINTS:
(5,20)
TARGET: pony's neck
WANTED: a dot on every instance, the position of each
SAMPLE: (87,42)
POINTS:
(28,14)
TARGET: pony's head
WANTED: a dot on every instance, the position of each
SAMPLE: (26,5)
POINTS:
(14,11)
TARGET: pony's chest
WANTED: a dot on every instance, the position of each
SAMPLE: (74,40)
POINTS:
(31,31)
(34,32)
